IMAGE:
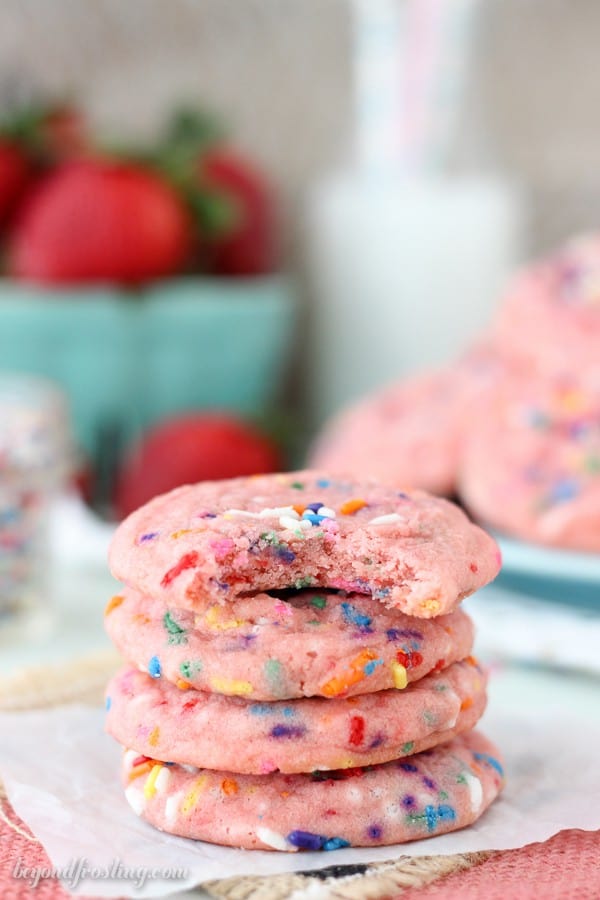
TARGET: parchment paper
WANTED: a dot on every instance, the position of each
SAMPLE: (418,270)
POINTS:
(61,773)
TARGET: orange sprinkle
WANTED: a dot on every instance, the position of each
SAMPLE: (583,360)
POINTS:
(140,619)
(113,603)
(340,683)
(284,794)
(472,660)
(183,685)
(298,507)
(229,786)
(467,703)
(141,769)
(351,506)
(153,739)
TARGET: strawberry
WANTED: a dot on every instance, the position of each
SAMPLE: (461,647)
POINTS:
(189,448)
(244,243)
(15,175)
(101,220)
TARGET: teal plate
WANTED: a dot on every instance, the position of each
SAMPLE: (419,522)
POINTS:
(549,573)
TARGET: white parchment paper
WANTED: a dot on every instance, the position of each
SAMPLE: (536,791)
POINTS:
(61,774)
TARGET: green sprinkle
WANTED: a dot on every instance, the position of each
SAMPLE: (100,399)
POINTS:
(297,485)
(313,622)
(443,795)
(274,673)
(460,779)
(406,748)
(319,602)
(177,634)
(429,717)
(592,464)
(189,668)
(305,582)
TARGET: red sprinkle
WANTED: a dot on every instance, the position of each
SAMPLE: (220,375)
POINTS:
(187,561)
(440,664)
(474,567)
(139,760)
(357,730)
(409,660)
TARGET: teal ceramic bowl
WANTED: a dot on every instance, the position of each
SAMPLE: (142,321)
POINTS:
(127,359)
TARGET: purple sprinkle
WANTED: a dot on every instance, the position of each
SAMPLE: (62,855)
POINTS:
(408,767)
(314,506)
(306,840)
(408,801)
(286,555)
(285,731)
(149,536)
(374,832)
(429,783)
(395,634)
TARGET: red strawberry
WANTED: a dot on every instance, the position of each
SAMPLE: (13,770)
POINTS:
(15,174)
(101,220)
(246,244)
(190,448)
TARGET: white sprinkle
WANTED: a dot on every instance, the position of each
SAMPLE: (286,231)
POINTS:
(191,769)
(326,511)
(162,779)
(129,756)
(294,524)
(135,798)
(172,806)
(267,513)
(274,839)
(475,791)
(385,520)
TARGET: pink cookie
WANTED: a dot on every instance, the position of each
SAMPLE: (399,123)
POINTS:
(266,648)
(409,434)
(212,731)
(550,318)
(532,468)
(219,541)
(432,793)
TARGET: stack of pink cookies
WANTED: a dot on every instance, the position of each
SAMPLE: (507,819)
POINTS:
(513,428)
(299,673)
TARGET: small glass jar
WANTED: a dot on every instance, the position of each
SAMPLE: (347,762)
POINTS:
(35,461)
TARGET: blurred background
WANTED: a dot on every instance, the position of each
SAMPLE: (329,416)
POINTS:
(224,221)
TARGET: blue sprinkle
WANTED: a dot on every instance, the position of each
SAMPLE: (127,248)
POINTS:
(335,843)
(108,704)
(564,490)
(408,767)
(491,761)
(289,711)
(430,817)
(260,709)
(354,617)
(223,585)
(446,812)
(323,482)
(306,840)
(380,593)
(313,518)
(154,667)
(286,554)
(291,731)
(370,667)
(402,495)
(149,536)
(374,832)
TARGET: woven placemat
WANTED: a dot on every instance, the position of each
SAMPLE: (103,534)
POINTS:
(83,680)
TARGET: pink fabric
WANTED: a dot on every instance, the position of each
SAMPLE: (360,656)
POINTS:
(564,868)
(16,848)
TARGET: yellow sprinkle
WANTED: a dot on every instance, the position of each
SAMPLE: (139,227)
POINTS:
(399,676)
(180,533)
(213,615)
(153,739)
(113,603)
(183,685)
(231,686)
(346,763)
(149,787)
(430,605)
(140,619)
(191,798)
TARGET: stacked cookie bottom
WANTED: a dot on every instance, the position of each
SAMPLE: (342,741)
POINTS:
(305,719)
